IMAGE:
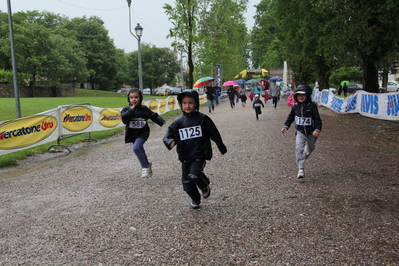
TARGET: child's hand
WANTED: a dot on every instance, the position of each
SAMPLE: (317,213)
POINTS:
(172,144)
(283,130)
(316,133)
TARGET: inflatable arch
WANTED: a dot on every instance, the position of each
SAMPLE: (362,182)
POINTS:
(255,72)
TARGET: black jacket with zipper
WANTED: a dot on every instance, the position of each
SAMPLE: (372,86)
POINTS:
(305,110)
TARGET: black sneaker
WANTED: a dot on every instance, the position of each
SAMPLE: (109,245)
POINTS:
(194,205)
(206,192)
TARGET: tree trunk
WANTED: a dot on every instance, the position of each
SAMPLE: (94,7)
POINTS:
(370,75)
(190,67)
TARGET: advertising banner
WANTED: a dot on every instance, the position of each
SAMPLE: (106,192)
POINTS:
(376,105)
(42,128)
(28,132)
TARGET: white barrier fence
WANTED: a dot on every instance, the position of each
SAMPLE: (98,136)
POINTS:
(52,125)
(376,105)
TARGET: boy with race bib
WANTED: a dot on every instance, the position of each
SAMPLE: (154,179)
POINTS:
(308,125)
(192,132)
(137,131)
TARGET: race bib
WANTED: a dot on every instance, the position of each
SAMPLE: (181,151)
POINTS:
(137,123)
(303,121)
(257,105)
(190,132)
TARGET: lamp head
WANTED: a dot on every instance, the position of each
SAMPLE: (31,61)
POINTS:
(129,2)
(139,30)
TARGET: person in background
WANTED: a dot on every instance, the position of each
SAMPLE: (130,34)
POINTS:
(308,125)
(345,89)
(231,92)
(257,106)
(266,96)
(243,98)
(218,91)
(137,131)
(251,96)
(274,93)
(210,96)
(192,132)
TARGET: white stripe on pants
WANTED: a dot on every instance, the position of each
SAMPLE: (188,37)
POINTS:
(304,146)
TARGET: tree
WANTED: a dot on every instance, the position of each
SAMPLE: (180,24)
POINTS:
(99,50)
(265,44)
(368,29)
(223,37)
(184,17)
(43,52)
(159,66)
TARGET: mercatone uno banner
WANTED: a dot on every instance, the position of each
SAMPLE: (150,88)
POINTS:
(51,125)
(376,105)
(27,132)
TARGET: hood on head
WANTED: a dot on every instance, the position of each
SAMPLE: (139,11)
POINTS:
(303,89)
(192,93)
(135,90)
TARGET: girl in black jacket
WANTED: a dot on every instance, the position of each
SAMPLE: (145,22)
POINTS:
(192,132)
(137,131)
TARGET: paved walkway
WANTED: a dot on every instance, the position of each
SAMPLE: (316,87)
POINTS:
(91,208)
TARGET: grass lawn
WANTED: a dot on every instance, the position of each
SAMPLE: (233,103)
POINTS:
(31,106)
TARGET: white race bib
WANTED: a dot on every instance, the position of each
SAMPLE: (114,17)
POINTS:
(303,121)
(257,105)
(137,123)
(190,132)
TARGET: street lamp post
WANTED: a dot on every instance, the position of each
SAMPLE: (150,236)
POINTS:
(181,48)
(139,32)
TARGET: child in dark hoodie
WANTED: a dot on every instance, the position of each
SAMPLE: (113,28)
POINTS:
(192,132)
(308,125)
(137,131)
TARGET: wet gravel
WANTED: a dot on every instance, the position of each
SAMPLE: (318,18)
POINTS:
(91,207)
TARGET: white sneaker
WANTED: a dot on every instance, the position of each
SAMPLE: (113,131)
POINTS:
(301,173)
(145,172)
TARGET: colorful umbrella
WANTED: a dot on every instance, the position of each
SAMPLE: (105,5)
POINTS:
(229,83)
(253,81)
(203,81)
(241,81)
(276,78)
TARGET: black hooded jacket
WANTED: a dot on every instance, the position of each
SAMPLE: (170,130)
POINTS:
(306,115)
(136,121)
(193,133)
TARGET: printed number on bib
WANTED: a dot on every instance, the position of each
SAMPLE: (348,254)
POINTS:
(190,132)
(303,121)
(137,123)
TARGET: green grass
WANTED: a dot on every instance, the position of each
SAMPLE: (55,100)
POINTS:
(31,106)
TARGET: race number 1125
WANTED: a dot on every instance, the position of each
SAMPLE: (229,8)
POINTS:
(190,132)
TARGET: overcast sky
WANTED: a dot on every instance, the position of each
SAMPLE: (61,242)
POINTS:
(115,14)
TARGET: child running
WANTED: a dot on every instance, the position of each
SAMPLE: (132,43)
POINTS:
(308,125)
(192,132)
(243,98)
(137,131)
(257,105)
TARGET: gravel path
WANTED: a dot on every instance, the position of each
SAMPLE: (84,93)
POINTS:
(91,207)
